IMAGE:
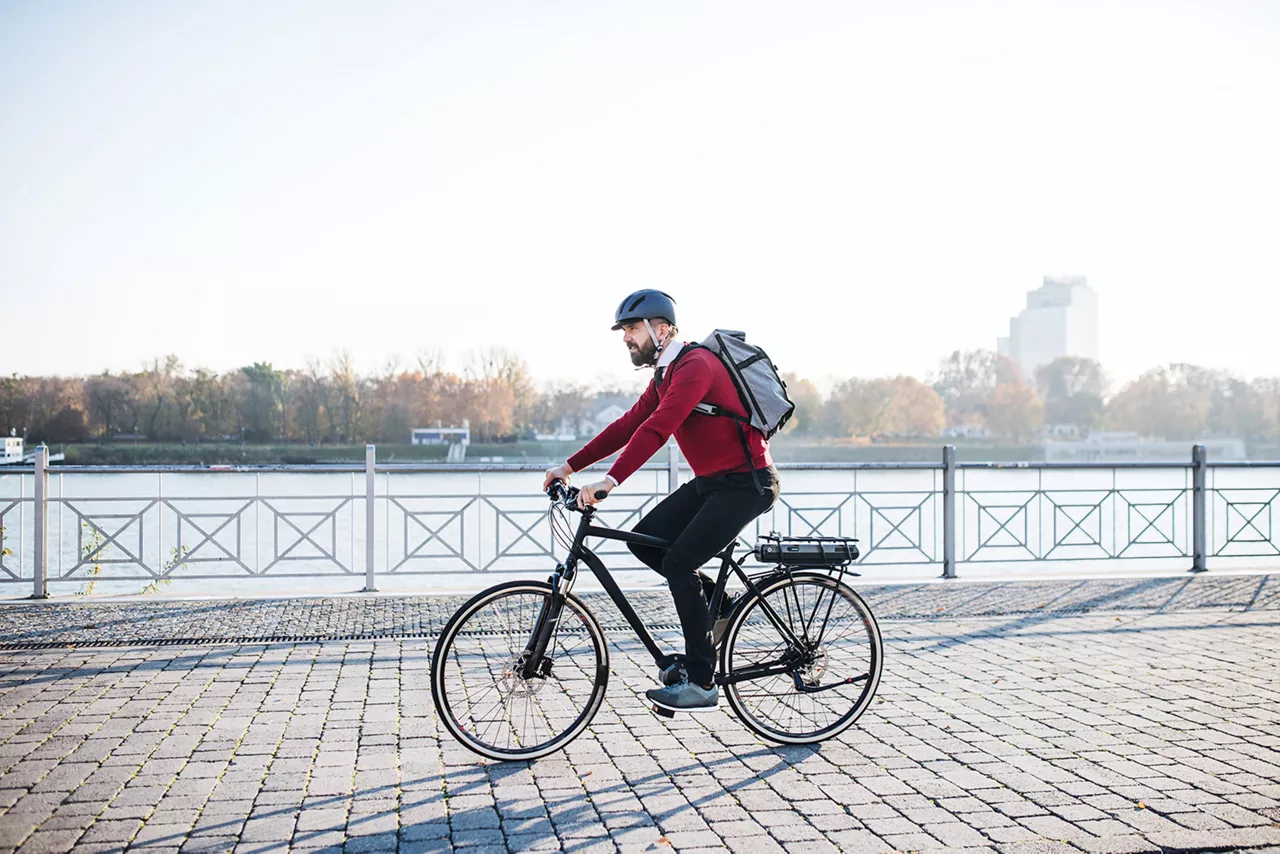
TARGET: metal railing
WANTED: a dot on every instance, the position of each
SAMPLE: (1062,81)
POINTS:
(230,523)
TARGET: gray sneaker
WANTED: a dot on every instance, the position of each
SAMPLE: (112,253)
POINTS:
(684,696)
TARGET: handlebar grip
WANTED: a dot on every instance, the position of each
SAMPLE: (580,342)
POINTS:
(601,495)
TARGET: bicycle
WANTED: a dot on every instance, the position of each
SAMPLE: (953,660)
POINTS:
(520,670)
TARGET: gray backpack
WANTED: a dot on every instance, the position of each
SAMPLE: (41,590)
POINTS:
(761,390)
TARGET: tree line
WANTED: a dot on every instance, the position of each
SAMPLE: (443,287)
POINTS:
(982,393)
(977,392)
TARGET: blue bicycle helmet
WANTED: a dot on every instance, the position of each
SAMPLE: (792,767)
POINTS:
(646,304)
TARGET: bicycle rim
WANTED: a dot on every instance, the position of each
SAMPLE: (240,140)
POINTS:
(851,648)
(476,683)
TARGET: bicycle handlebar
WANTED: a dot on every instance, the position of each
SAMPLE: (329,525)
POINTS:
(568,495)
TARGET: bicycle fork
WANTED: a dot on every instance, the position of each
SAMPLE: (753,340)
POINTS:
(534,658)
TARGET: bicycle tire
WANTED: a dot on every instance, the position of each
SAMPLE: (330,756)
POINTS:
(479,731)
(863,654)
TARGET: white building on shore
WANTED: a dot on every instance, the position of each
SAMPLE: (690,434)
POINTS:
(1061,319)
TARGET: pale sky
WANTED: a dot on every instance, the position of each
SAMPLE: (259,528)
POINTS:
(864,187)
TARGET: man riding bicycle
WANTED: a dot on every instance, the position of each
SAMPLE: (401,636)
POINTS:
(729,490)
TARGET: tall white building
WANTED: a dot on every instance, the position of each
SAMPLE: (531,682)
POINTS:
(1061,319)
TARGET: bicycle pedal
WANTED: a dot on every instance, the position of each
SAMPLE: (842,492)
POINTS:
(663,713)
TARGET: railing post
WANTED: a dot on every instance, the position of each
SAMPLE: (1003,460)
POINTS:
(370,486)
(949,511)
(41,568)
(673,467)
(1199,520)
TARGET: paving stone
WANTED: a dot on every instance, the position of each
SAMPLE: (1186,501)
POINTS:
(49,842)
(1123,844)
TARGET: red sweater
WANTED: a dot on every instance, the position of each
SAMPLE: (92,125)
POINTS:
(709,442)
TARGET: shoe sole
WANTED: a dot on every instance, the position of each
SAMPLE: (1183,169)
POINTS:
(665,707)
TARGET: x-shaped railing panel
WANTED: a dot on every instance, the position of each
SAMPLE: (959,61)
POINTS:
(1003,512)
(1248,515)
(208,527)
(315,520)
(1155,518)
(418,520)
(1073,513)
(524,533)
(880,539)
(99,554)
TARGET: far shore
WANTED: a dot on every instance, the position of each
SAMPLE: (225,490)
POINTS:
(785,449)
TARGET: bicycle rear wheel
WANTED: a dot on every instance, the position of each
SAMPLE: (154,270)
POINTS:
(477,682)
(825,682)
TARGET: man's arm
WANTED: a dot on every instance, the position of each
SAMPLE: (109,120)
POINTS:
(616,434)
(689,384)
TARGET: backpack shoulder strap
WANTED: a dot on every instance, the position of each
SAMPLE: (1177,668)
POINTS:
(711,409)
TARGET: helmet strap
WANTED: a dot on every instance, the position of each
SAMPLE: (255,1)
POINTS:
(657,345)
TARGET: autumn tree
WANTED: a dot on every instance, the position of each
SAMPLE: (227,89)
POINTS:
(564,403)
(107,398)
(966,381)
(806,420)
(261,401)
(212,412)
(1014,411)
(154,390)
(1072,390)
(345,398)
(892,405)
(1171,402)
(1250,411)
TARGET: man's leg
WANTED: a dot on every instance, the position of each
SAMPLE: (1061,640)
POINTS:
(666,521)
(725,511)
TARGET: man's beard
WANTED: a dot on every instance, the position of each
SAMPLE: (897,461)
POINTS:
(643,355)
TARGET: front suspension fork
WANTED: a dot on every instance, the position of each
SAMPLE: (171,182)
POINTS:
(534,658)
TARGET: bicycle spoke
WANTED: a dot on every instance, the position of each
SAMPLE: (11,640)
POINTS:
(482,691)
(837,643)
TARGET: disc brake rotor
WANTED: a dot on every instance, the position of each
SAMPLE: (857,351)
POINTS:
(514,686)
(814,667)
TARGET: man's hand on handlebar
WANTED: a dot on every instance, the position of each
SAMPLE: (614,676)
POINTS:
(561,472)
(594,493)
(557,490)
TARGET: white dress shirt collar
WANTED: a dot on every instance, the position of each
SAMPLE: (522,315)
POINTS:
(669,354)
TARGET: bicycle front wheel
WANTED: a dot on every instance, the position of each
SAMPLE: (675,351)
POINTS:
(811,689)
(477,673)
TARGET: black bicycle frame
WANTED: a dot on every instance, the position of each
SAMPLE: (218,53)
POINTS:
(549,616)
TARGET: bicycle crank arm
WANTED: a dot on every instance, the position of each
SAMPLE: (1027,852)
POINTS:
(818,689)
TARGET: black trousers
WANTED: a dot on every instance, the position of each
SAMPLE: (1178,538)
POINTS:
(701,518)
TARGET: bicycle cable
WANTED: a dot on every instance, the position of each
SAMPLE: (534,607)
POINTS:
(561,530)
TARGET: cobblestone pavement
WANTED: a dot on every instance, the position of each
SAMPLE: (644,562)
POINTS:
(1055,728)
(82,621)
